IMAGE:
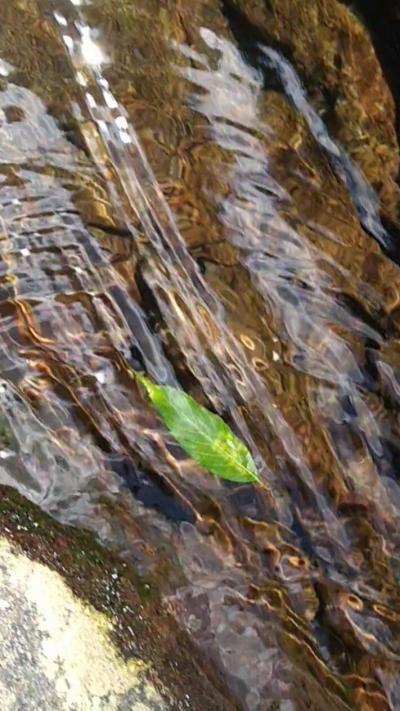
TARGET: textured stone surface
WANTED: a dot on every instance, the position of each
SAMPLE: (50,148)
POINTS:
(55,650)
(73,612)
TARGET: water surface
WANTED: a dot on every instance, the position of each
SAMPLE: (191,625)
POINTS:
(175,195)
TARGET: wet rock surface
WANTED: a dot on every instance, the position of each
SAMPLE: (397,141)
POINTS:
(383,23)
(55,652)
(81,631)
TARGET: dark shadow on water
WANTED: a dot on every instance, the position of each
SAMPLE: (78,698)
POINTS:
(153,495)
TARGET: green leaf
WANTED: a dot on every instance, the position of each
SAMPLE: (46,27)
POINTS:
(203,435)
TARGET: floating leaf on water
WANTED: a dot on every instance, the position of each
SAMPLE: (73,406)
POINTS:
(203,435)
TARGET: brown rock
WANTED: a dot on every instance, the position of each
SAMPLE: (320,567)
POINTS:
(336,57)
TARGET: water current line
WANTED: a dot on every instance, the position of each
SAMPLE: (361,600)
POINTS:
(146,201)
(276,255)
(364,197)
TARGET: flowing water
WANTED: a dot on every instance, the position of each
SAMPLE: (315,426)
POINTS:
(173,197)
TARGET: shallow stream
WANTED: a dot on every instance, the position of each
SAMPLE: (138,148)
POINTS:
(209,191)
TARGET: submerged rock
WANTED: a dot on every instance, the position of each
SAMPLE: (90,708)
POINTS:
(334,52)
(383,22)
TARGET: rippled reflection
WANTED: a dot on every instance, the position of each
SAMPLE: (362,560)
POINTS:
(186,209)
